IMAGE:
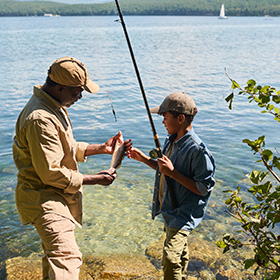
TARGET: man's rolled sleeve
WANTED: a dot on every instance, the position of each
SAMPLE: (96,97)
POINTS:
(80,151)
(75,184)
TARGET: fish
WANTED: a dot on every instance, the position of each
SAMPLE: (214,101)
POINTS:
(118,153)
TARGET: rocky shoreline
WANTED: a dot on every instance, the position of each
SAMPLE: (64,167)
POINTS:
(207,263)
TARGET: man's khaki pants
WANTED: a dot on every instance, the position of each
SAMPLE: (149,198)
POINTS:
(62,259)
(175,254)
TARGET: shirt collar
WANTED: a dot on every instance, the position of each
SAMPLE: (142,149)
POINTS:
(42,94)
(182,140)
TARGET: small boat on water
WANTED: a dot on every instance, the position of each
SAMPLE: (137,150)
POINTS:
(222,12)
(50,15)
(267,17)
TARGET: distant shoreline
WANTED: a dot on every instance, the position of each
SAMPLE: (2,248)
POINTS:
(255,8)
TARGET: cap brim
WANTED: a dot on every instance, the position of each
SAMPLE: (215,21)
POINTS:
(91,87)
(155,110)
(158,110)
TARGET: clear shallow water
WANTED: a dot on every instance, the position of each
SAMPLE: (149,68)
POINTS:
(173,54)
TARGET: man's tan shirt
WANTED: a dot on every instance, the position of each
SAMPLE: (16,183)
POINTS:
(46,155)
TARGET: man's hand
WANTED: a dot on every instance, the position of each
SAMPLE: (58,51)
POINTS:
(110,144)
(105,178)
(107,147)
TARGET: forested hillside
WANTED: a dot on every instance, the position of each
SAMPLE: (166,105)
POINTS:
(144,7)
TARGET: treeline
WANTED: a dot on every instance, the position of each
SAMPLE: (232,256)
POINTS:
(144,7)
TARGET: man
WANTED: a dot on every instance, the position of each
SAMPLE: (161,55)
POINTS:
(49,189)
(190,168)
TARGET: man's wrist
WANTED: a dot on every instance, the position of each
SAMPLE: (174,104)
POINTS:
(90,180)
(102,149)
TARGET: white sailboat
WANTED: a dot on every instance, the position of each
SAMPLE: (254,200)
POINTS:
(222,12)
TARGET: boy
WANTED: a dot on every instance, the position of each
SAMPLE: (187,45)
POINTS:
(190,168)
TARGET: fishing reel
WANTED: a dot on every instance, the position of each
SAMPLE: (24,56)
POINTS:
(153,154)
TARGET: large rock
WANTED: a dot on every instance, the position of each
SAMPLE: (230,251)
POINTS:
(207,262)
(24,268)
(116,267)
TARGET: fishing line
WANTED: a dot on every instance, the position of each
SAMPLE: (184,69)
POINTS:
(156,139)
(114,113)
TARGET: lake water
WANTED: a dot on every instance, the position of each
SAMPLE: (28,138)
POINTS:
(173,54)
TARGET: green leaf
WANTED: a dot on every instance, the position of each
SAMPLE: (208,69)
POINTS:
(221,244)
(270,107)
(247,141)
(254,176)
(276,98)
(238,199)
(255,145)
(267,154)
(230,100)
(265,89)
(226,249)
(276,162)
(228,201)
(249,263)
(234,85)
(276,219)
(251,83)
(264,99)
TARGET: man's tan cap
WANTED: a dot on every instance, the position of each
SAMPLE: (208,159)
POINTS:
(177,102)
(69,71)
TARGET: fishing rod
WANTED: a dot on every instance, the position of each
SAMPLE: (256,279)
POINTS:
(156,139)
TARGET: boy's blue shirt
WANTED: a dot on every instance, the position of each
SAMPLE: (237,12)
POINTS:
(190,157)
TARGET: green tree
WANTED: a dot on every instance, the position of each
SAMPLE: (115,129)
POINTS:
(143,7)
(259,221)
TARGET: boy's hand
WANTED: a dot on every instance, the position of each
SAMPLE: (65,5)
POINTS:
(127,145)
(165,165)
(135,154)
(140,156)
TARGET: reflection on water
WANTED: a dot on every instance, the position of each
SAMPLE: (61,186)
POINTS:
(173,54)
